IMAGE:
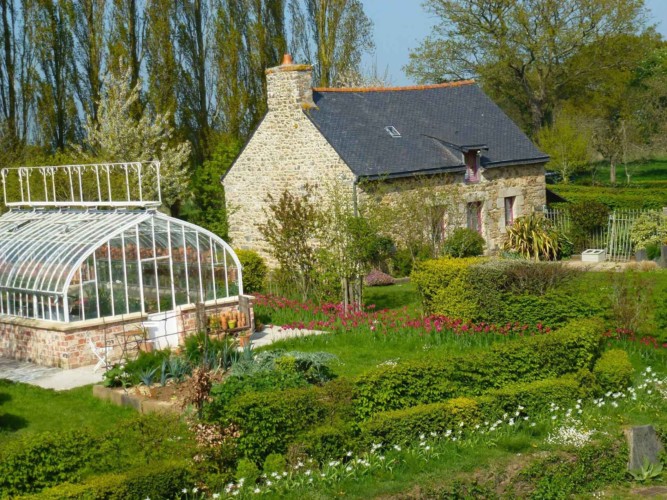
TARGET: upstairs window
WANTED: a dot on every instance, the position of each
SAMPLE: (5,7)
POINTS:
(509,210)
(472,166)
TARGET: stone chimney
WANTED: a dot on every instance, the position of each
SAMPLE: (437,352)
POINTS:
(289,86)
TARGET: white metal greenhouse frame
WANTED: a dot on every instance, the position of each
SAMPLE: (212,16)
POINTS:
(77,255)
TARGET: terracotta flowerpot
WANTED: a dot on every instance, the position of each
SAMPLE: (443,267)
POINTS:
(244,340)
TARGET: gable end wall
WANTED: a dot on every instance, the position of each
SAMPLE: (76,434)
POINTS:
(286,152)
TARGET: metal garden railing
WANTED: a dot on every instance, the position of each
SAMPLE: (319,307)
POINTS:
(614,238)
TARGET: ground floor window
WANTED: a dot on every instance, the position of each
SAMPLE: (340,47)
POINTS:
(474,216)
(509,210)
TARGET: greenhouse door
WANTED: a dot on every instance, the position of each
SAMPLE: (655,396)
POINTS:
(163,329)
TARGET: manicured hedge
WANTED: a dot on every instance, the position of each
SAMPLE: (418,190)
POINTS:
(269,421)
(400,426)
(38,461)
(631,198)
(613,371)
(576,346)
(162,480)
(406,425)
(440,279)
(502,291)
(535,397)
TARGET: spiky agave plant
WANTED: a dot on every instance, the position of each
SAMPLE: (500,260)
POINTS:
(533,237)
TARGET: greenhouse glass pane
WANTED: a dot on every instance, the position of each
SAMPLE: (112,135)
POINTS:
(146,240)
(194,266)
(232,275)
(180,264)
(132,272)
(206,268)
(164,285)
(117,276)
(150,286)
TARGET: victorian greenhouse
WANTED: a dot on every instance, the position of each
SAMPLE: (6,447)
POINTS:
(83,242)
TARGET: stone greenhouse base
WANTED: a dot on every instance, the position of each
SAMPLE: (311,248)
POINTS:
(65,345)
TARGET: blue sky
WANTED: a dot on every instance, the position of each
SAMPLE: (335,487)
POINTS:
(400,25)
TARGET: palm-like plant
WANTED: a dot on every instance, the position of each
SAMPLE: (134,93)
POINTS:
(533,237)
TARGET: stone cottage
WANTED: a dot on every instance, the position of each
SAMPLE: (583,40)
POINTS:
(451,132)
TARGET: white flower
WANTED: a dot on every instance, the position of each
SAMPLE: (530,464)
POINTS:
(215,495)
(268,482)
(256,490)
(349,454)
(184,490)
(397,448)
(348,468)
(195,490)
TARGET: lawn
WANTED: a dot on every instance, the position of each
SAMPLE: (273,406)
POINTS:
(646,188)
(26,409)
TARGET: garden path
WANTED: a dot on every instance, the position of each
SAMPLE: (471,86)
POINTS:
(274,333)
(47,377)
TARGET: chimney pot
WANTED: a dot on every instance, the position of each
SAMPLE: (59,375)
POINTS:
(287,60)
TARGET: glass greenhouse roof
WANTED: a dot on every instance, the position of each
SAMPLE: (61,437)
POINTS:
(87,241)
(41,249)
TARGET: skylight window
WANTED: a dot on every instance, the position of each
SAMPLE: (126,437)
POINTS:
(392,131)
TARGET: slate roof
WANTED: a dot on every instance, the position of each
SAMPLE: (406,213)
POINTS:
(436,123)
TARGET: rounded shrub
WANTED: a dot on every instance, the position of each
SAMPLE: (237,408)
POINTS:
(248,471)
(613,371)
(254,270)
(463,242)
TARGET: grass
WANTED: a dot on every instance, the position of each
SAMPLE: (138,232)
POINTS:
(393,297)
(28,409)
(652,172)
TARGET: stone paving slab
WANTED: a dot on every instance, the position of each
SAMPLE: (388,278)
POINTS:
(23,371)
(48,377)
(273,333)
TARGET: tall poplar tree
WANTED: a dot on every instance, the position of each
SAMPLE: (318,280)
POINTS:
(161,65)
(193,25)
(88,18)
(330,34)
(16,73)
(57,117)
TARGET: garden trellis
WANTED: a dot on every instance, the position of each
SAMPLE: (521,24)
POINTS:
(87,241)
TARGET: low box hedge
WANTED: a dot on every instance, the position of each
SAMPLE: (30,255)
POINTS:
(405,425)
(161,480)
(269,421)
(576,346)
(613,371)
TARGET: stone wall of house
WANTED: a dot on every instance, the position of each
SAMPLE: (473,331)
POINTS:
(526,183)
(65,345)
(286,152)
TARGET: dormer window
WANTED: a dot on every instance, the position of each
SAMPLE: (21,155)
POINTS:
(471,158)
(391,130)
